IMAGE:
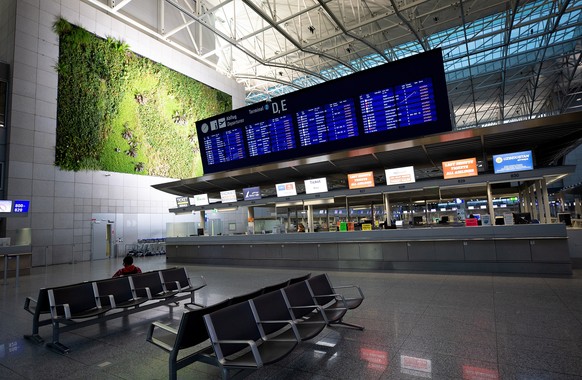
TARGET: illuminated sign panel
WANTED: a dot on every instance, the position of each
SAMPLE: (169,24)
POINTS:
(398,100)
(228,196)
(20,206)
(183,201)
(317,185)
(361,180)
(5,206)
(401,175)
(252,193)
(460,168)
(286,189)
(513,162)
(201,200)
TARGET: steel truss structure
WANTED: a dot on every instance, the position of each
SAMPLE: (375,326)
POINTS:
(505,60)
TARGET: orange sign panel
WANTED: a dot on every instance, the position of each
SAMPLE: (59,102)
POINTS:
(460,168)
(361,180)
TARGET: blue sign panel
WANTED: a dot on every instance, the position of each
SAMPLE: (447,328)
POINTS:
(513,162)
(252,193)
(20,206)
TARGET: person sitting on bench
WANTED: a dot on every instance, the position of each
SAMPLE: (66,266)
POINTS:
(128,267)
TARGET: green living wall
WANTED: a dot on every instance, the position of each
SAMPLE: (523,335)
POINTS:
(121,112)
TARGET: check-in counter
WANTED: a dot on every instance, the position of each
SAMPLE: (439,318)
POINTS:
(534,248)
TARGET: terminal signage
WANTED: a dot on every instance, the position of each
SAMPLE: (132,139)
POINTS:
(361,180)
(513,162)
(182,201)
(460,168)
(228,196)
(400,175)
(398,100)
(201,200)
(252,193)
(5,206)
(20,206)
(286,189)
(317,185)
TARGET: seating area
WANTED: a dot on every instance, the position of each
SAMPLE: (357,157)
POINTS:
(255,329)
(78,305)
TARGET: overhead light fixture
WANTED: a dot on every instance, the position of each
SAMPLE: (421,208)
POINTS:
(315,202)
(227,209)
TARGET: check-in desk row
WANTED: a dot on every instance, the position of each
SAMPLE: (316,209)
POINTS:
(536,248)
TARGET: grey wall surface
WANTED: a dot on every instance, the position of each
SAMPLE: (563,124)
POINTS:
(64,204)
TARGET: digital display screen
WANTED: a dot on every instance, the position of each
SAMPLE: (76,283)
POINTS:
(394,101)
(270,136)
(331,122)
(401,106)
(513,162)
(5,206)
(20,206)
(224,147)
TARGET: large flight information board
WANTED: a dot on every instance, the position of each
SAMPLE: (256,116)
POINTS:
(270,136)
(331,122)
(398,100)
(401,106)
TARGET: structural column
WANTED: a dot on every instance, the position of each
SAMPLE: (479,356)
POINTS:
(545,200)
(490,208)
(387,213)
(311,227)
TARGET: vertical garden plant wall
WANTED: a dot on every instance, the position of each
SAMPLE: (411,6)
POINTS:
(121,112)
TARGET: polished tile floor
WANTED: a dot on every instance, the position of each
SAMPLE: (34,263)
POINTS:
(418,325)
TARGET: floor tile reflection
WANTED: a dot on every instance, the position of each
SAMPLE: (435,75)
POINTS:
(418,325)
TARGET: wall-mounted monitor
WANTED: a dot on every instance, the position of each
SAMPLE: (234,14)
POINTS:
(460,168)
(316,185)
(394,101)
(513,162)
(252,193)
(400,175)
(20,206)
(286,189)
(182,202)
(228,196)
(361,180)
(5,206)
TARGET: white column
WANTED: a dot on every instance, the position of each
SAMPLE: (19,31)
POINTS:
(310,218)
(546,200)
(490,204)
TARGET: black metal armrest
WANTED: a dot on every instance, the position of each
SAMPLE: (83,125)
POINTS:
(288,322)
(351,286)
(145,291)
(66,311)
(313,307)
(27,303)
(337,297)
(253,346)
(109,297)
(150,336)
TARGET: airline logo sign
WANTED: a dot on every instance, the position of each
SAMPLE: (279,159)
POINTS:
(460,168)
(513,162)
(252,193)
(286,189)
(318,185)
(400,175)
(361,180)
(228,196)
(201,200)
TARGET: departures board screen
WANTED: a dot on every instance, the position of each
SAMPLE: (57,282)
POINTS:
(397,100)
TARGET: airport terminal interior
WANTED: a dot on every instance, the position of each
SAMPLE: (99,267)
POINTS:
(428,152)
